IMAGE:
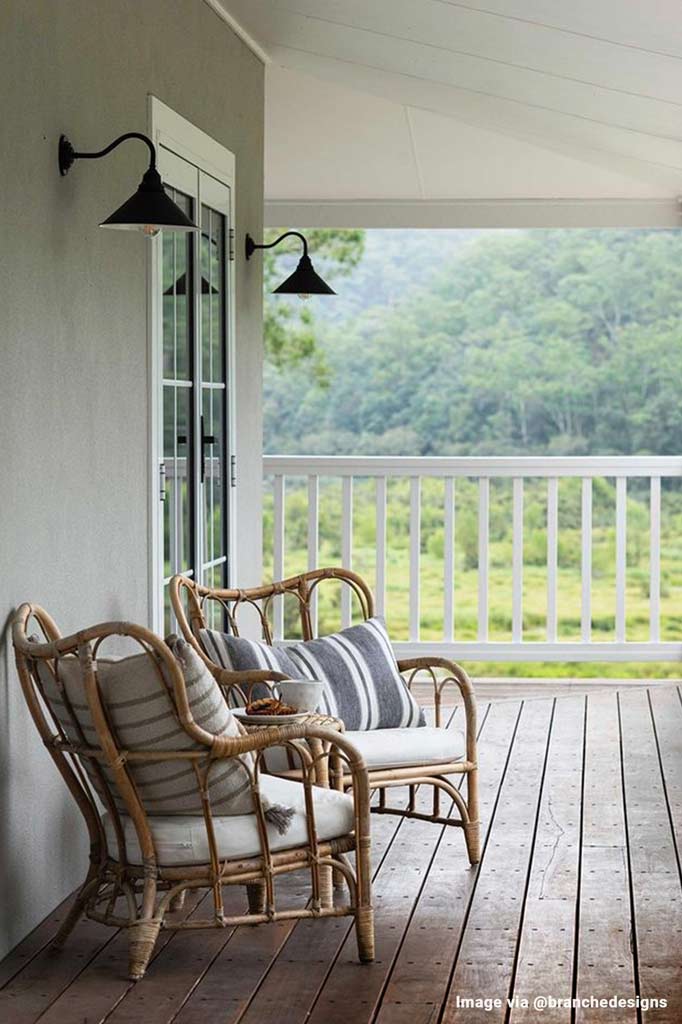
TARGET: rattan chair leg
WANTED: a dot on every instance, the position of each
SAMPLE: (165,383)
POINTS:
(364,933)
(472,838)
(327,886)
(339,880)
(76,910)
(178,902)
(472,831)
(256,896)
(69,923)
(143,936)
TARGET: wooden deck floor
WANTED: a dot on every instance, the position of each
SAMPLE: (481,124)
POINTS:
(578,894)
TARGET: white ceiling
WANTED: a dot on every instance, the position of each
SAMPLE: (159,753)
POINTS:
(439,113)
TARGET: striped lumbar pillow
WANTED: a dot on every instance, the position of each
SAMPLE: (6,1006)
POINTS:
(141,711)
(364,687)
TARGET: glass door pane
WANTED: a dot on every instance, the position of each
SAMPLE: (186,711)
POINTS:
(213,396)
(194,365)
(178,396)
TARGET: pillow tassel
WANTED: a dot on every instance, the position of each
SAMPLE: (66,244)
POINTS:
(279,816)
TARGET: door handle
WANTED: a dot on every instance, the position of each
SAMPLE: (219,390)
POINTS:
(205,439)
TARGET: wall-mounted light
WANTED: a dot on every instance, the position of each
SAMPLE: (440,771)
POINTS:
(304,281)
(150,209)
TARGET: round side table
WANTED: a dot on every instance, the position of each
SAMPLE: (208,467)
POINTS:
(318,748)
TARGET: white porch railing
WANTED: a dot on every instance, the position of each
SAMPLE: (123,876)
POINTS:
(483,470)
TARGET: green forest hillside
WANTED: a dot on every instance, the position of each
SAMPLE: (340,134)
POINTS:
(547,342)
(492,343)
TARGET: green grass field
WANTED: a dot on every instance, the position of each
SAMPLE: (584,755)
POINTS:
(466,569)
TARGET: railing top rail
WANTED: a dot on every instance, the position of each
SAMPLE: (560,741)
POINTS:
(460,466)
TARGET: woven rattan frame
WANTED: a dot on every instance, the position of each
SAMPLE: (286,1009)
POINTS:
(190,600)
(138,897)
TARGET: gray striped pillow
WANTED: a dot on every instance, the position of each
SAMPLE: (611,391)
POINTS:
(142,715)
(364,687)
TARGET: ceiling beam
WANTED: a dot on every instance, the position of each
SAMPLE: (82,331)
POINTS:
(475,213)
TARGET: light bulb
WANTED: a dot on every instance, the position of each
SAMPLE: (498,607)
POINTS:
(150,230)
(303,296)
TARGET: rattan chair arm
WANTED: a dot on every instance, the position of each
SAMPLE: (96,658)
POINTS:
(227,747)
(226,677)
(454,674)
(276,735)
(239,683)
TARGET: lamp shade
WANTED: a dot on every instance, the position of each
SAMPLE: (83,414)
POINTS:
(150,209)
(304,281)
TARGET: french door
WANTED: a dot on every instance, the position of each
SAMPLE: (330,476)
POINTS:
(194,452)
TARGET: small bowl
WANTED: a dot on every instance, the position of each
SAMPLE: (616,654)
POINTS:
(302,694)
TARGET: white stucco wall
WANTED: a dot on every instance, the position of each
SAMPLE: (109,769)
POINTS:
(74,386)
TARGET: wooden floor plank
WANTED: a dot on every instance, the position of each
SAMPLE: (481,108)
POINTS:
(351,990)
(486,957)
(17,959)
(50,973)
(605,964)
(101,986)
(656,886)
(666,712)
(419,978)
(517,688)
(545,950)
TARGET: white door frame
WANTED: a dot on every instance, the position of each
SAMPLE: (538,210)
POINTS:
(172,134)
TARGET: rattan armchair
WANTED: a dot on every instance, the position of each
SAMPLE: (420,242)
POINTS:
(197,606)
(135,888)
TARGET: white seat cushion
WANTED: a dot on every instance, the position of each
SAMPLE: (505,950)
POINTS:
(407,748)
(181,839)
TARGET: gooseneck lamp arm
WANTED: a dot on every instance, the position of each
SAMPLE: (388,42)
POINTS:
(150,209)
(67,154)
(305,280)
(251,246)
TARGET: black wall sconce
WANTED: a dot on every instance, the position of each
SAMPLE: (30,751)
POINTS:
(304,281)
(148,210)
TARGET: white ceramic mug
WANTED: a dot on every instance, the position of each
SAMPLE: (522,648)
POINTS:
(302,694)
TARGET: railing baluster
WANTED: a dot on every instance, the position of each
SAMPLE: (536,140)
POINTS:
(313,539)
(449,561)
(278,553)
(552,548)
(415,550)
(621,552)
(381,545)
(655,560)
(346,547)
(586,562)
(480,471)
(483,520)
(517,560)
